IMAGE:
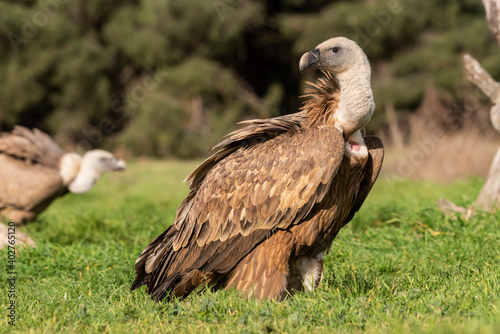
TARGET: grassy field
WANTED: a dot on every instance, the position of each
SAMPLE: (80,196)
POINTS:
(400,266)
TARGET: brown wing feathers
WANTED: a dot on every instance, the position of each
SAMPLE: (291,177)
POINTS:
(237,206)
(29,161)
(33,146)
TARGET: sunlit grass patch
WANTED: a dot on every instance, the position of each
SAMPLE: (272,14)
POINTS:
(400,266)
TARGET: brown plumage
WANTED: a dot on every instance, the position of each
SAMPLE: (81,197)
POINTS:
(35,171)
(265,207)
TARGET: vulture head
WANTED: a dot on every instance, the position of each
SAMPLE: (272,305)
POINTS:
(345,61)
(338,56)
(82,172)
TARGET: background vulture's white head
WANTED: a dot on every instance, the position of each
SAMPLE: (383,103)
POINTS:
(102,161)
(338,56)
(90,167)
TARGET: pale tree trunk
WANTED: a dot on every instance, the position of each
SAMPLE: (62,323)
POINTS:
(489,197)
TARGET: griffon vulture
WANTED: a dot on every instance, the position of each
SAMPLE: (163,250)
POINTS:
(266,206)
(35,171)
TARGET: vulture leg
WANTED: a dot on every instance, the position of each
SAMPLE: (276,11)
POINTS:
(305,273)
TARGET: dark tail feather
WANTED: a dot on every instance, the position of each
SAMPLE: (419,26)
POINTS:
(138,282)
(180,287)
(142,277)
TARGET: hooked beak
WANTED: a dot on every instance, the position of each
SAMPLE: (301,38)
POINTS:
(308,59)
(119,165)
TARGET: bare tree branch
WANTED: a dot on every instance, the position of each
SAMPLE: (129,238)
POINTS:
(483,80)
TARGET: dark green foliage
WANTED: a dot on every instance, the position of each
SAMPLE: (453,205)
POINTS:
(170,78)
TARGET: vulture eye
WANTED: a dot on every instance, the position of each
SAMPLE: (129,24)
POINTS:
(335,49)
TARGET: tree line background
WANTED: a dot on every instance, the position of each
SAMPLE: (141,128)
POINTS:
(170,78)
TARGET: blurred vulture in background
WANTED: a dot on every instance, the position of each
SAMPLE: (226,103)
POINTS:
(266,206)
(34,171)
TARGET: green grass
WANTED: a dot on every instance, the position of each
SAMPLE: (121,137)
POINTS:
(400,266)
